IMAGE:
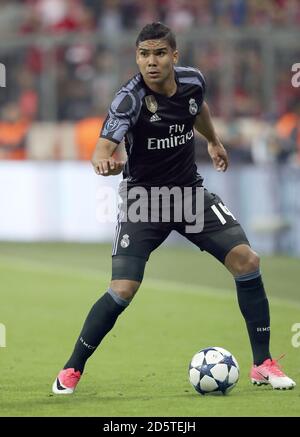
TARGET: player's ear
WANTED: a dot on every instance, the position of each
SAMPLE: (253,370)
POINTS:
(137,56)
(175,56)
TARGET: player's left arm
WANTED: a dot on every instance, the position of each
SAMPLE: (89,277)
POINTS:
(204,125)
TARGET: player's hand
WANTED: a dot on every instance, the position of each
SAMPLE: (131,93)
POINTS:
(107,166)
(218,155)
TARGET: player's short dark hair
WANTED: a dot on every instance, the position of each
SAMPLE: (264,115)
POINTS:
(157,31)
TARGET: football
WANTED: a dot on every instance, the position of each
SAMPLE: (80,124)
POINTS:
(213,370)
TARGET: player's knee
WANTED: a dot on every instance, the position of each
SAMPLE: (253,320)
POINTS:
(248,263)
(125,288)
(251,263)
(241,260)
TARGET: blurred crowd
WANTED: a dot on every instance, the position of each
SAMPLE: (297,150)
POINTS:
(75,81)
(111,16)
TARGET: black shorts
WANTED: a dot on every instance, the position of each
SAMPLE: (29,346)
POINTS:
(221,232)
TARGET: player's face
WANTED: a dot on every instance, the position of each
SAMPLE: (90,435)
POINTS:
(156,59)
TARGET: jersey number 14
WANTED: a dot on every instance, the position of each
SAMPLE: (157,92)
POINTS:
(219,214)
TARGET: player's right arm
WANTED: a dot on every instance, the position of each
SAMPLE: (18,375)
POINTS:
(105,161)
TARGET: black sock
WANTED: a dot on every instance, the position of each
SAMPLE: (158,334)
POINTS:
(98,323)
(254,306)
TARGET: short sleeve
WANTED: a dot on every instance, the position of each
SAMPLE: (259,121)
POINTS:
(192,78)
(122,115)
(203,82)
(202,88)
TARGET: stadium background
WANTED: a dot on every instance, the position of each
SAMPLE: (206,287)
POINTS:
(64,61)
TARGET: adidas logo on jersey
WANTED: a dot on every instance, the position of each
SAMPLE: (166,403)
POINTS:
(155,117)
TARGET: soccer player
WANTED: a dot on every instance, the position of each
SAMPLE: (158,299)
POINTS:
(157,111)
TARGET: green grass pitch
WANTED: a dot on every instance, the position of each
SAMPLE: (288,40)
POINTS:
(187,302)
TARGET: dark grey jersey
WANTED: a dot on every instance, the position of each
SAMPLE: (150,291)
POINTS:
(158,130)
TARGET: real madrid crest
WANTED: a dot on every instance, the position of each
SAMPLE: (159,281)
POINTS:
(125,241)
(151,103)
(193,108)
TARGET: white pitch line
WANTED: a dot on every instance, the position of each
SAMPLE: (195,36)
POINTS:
(161,285)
